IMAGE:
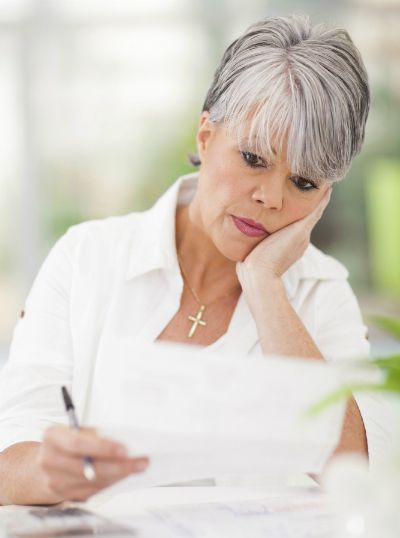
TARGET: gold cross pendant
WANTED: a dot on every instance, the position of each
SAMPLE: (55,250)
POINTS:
(197,321)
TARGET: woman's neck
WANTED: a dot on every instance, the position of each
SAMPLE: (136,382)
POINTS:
(204,263)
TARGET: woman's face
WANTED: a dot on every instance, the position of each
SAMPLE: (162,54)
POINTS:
(236,184)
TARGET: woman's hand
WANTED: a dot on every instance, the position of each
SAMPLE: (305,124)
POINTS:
(59,458)
(280,250)
(280,330)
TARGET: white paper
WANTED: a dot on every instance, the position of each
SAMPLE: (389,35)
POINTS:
(290,517)
(198,415)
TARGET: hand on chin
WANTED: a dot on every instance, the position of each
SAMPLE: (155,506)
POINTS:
(273,256)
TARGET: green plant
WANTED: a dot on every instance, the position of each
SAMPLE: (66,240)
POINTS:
(389,366)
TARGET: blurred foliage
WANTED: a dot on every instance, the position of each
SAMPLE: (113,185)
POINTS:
(62,216)
(388,324)
(166,162)
(64,208)
(389,366)
(343,229)
(383,203)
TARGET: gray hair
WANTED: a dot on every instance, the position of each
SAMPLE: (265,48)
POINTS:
(296,85)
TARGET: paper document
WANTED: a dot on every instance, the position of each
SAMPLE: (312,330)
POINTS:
(290,517)
(197,415)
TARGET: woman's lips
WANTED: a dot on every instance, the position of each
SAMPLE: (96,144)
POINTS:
(249,227)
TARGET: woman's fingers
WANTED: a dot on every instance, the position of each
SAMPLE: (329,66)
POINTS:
(79,494)
(55,461)
(60,459)
(65,473)
(83,443)
(316,214)
(108,469)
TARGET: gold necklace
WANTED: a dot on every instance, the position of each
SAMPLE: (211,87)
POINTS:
(198,319)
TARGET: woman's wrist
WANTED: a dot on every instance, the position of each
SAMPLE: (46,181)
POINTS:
(280,330)
(261,280)
(262,291)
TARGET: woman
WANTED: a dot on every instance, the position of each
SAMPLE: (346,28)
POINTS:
(222,260)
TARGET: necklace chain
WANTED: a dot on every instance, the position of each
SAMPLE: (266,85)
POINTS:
(236,288)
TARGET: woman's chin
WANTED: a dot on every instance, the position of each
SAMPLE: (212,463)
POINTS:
(234,252)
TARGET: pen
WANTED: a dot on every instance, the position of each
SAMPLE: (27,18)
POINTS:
(88,470)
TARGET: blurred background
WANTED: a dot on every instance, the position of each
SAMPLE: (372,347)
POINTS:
(99,101)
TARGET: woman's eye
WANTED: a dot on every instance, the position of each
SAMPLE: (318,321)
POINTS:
(252,159)
(304,184)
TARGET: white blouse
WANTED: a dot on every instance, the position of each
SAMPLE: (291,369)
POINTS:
(119,278)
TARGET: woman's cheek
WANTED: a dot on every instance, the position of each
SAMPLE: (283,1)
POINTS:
(297,211)
(226,185)
(306,202)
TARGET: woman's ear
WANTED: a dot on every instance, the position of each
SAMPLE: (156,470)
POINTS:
(204,131)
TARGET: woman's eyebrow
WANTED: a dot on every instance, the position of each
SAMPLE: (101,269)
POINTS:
(246,144)
(251,145)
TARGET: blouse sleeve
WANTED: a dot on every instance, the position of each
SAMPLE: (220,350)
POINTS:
(40,359)
(342,336)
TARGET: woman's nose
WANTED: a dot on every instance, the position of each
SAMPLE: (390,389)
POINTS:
(269,195)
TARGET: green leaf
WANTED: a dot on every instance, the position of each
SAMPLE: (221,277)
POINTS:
(388,324)
(392,382)
(343,392)
(391,363)
(390,366)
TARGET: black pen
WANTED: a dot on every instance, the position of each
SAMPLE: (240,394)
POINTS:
(88,470)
